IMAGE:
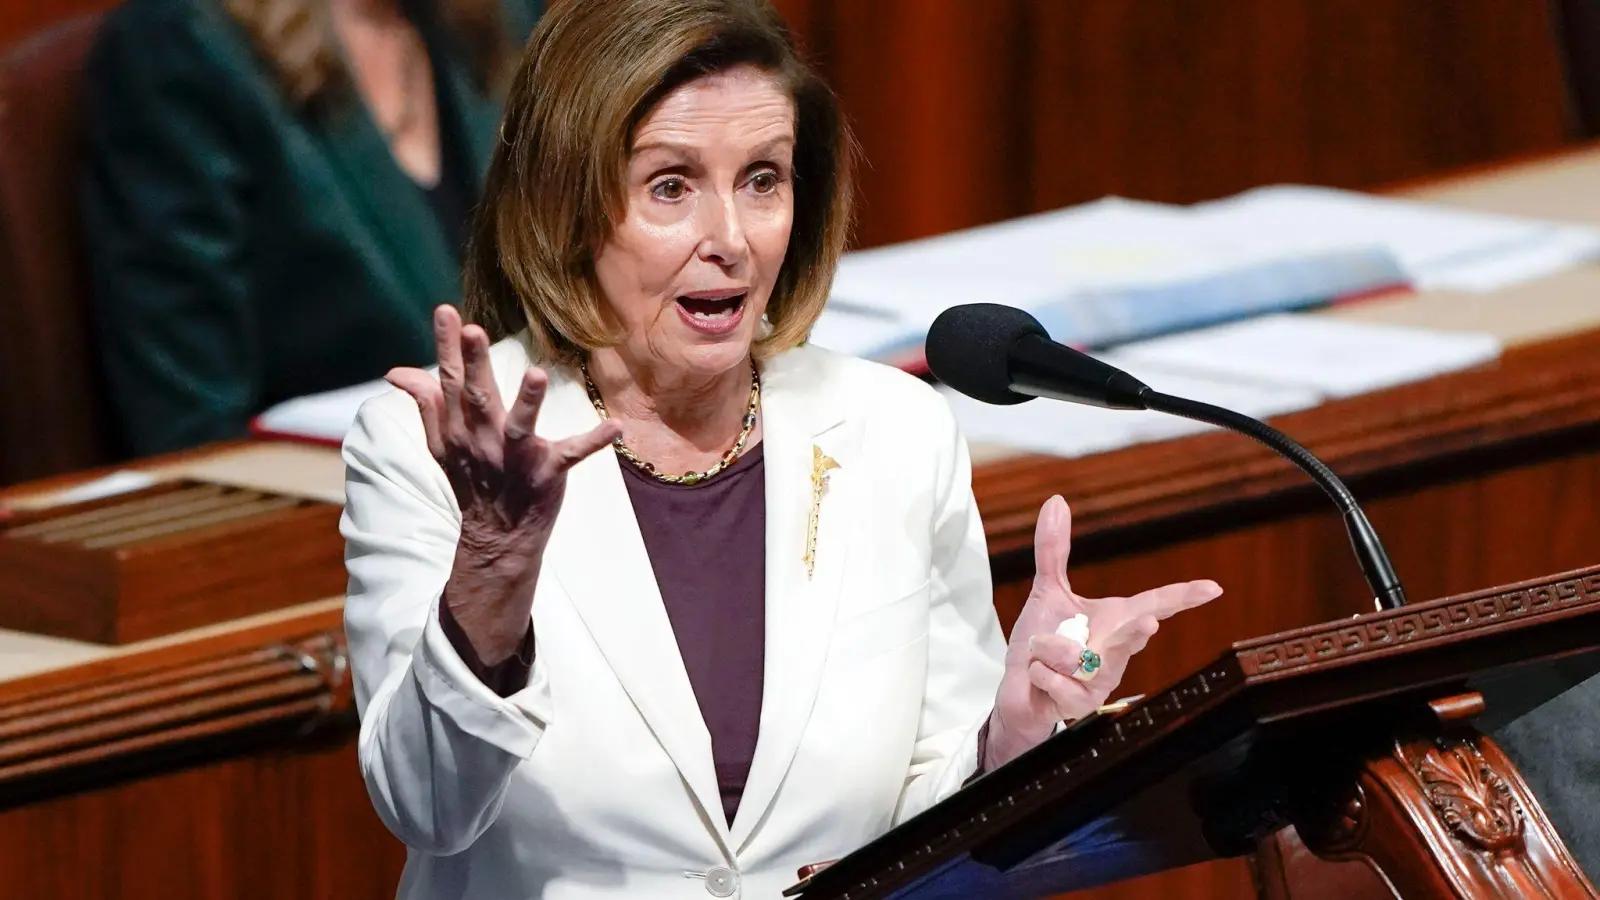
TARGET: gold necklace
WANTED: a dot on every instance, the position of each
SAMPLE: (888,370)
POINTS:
(687,477)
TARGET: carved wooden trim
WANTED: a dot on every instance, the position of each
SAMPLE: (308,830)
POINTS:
(1446,816)
(1113,736)
(1469,798)
(1436,621)
(287,688)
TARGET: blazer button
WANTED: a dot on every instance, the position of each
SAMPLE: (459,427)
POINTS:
(722,882)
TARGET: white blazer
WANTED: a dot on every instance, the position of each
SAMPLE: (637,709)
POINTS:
(596,780)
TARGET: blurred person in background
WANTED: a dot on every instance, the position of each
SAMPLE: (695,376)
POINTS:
(276,194)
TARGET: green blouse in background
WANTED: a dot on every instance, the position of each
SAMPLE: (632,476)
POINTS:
(244,251)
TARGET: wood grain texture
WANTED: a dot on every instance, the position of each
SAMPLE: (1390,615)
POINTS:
(164,559)
(281,822)
(1445,815)
(974,112)
(21,18)
(85,728)
(1501,514)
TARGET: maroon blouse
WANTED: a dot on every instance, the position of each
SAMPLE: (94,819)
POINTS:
(708,545)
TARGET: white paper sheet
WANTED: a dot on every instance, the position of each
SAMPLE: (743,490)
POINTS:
(1332,357)
(1071,430)
(324,417)
(1098,247)
(1095,275)
(122,482)
(1438,246)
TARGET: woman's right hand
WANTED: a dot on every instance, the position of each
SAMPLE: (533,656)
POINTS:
(508,482)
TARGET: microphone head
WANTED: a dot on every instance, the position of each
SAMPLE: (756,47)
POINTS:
(969,348)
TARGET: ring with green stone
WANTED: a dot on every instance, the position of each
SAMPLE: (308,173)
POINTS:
(1088,664)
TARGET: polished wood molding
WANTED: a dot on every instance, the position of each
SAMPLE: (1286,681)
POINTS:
(279,683)
(1283,868)
(1437,623)
(1443,814)
(281,821)
(168,558)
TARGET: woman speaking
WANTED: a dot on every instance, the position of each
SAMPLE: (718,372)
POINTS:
(647,597)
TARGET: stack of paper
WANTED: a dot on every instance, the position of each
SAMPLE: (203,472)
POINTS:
(1437,246)
(324,418)
(1331,357)
(1118,270)
(1094,275)
(1070,430)
(1262,368)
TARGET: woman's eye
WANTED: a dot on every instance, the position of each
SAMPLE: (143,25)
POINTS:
(670,189)
(764,182)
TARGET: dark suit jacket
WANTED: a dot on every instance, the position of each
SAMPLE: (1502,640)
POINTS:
(244,251)
(1556,747)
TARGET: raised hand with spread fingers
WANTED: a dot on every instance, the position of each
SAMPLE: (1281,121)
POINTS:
(508,481)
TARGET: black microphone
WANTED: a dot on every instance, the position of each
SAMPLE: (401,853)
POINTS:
(997,354)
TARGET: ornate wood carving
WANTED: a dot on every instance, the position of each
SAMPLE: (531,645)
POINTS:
(1446,816)
(1472,800)
(1422,623)
(106,728)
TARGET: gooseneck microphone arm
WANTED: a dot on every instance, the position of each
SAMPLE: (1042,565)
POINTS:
(1374,560)
(1020,361)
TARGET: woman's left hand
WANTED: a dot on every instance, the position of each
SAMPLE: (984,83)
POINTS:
(1038,689)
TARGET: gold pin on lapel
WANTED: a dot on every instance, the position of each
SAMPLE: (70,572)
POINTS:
(821,463)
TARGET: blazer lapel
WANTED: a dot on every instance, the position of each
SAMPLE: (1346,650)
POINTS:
(796,418)
(598,556)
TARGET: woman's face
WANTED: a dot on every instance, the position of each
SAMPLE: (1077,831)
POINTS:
(688,271)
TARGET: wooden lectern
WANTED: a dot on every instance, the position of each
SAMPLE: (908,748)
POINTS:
(1354,737)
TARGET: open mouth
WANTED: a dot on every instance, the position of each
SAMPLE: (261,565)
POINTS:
(712,308)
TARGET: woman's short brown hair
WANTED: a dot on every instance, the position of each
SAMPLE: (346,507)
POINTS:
(556,185)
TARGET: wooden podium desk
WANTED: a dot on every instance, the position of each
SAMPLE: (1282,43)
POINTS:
(220,763)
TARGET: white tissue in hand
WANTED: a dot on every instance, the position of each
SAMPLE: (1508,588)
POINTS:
(1075,628)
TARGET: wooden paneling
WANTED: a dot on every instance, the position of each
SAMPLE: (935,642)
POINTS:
(970,112)
(284,823)
(220,766)
(234,689)
(165,559)
(20,18)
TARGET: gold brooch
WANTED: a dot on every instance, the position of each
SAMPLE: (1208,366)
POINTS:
(821,463)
